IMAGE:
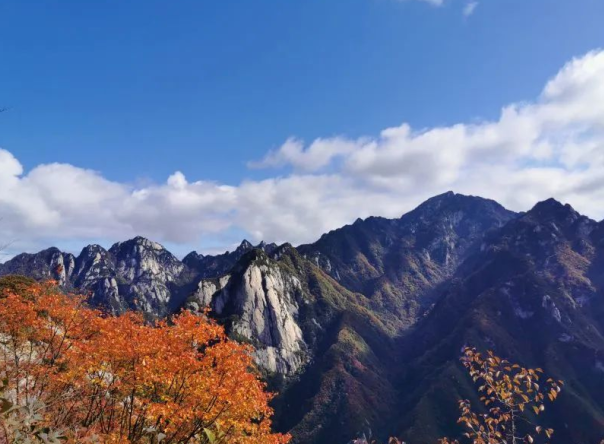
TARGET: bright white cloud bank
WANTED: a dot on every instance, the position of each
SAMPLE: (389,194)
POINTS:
(552,146)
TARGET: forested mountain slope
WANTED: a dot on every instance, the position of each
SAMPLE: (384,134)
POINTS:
(363,329)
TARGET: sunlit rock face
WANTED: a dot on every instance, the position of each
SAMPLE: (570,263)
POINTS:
(362,329)
(149,272)
(213,266)
(262,304)
(47,264)
(260,300)
(137,274)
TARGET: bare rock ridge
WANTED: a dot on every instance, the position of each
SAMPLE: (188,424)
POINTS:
(363,327)
(142,275)
(137,274)
(47,264)
(263,303)
(211,266)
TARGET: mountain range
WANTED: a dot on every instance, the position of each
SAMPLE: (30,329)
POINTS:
(362,330)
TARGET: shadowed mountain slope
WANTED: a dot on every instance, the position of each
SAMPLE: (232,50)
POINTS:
(398,262)
(534,295)
(363,329)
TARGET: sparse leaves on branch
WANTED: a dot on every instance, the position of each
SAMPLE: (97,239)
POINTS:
(512,396)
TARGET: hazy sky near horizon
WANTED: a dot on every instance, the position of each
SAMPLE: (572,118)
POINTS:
(197,123)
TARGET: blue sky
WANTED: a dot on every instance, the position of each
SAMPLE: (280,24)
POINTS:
(137,90)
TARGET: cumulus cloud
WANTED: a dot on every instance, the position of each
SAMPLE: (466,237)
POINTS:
(316,156)
(550,146)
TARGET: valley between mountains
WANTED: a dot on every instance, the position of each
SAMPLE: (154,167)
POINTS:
(362,330)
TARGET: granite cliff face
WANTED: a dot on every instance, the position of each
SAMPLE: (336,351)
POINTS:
(363,328)
(137,274)
(214,266)
(47,264)
(258,300)
(261,302)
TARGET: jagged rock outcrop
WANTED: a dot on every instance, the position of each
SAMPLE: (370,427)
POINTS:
(137,274)
(47,264)
(362,329)
(214,266)
(149,273)
(262,304)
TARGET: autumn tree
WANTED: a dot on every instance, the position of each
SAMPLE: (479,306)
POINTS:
(120,380)
(511,395)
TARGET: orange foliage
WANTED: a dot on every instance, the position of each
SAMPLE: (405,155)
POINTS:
(120,380)
(508,391)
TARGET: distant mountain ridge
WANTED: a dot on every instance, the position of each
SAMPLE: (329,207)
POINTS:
(362,329)
(532,292)
(137,274)
(396,262)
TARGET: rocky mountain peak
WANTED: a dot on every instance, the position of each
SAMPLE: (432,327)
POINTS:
(553,210)
(192,259)
(138,243)
(558,219)
(446,226)
(140,255)
(259,301)
(95,274)
(552,207)
(278,251)
(91,253)
(440,198)
(92,249)
(457,206)
(214,266)
(245,245)
(51,263)
(397,263)
(376,305)
(268,248)
(92,261)
(554,239)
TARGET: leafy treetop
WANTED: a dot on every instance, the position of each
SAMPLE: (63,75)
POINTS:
(112,379)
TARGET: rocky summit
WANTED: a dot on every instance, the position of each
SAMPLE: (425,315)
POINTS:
(362,329)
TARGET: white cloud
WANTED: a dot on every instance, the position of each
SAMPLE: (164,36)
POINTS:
(318,155)
(469,9)
(551,146)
